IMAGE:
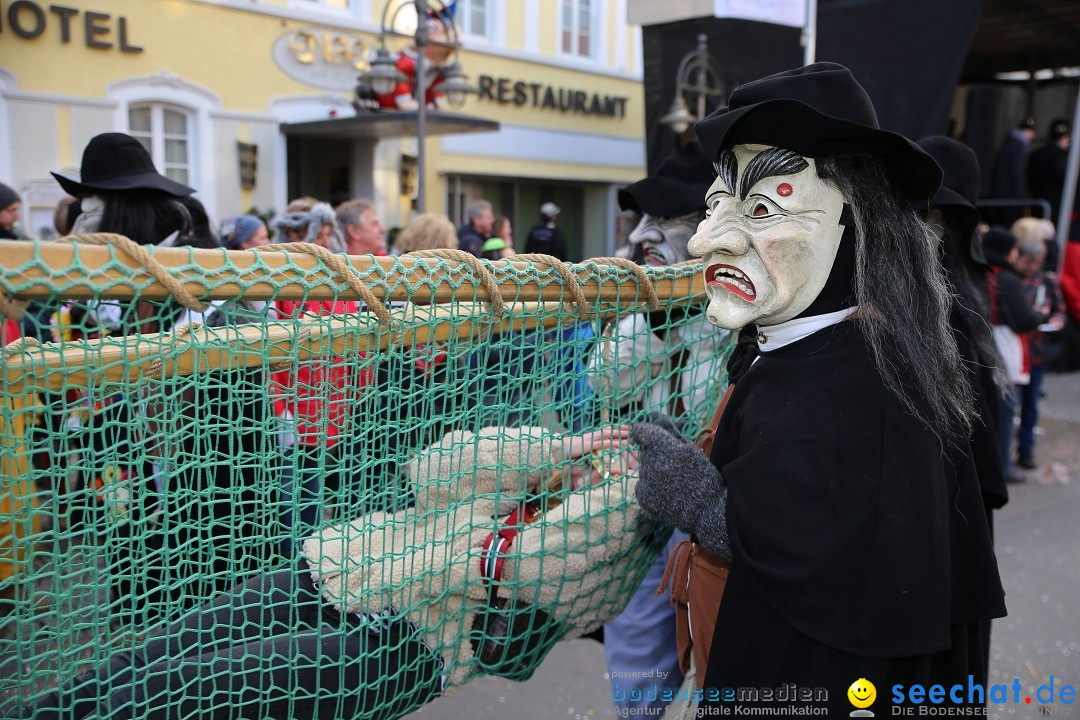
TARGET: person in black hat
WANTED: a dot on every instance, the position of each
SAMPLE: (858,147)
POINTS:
(827,487)
(545,236)
(671,204)
(638,646)
(1009,181)
(121,191)
(954,217)
(1047,167)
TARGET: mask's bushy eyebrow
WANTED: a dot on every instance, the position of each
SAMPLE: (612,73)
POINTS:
(728,169)
(770,163)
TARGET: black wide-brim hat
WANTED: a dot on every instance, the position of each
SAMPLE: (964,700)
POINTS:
(819,111)
(115,161)
(960,183)
(677,187)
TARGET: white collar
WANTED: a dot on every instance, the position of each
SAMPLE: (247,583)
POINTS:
(774,337)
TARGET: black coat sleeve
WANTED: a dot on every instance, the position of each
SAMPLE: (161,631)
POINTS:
(1015,310)
(558,242)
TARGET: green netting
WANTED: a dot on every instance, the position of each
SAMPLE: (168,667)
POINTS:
(278,507)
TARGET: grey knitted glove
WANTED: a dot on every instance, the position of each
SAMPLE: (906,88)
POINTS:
(680,486)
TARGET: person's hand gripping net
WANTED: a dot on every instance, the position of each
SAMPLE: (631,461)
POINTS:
(678,485)
(599,456)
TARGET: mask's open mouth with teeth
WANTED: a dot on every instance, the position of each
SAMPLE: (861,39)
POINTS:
(731,279)
(652,256)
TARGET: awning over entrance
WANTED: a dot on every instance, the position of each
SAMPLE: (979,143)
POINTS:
(1024,35)
(388,125)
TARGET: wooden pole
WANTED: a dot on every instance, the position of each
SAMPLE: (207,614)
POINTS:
(138,358)
(34,271)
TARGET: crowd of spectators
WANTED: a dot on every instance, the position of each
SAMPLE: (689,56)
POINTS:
(205,475)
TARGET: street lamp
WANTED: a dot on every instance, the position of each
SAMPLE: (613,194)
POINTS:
(699,78)
(384,74)
(455,85)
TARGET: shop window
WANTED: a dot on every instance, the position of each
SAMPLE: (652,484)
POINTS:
(166,133)
(476,18)
(580,27)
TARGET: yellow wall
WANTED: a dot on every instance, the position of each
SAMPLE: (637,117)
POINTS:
(632,125)
(549,17)
(222,49)
(441,163)
(632,48)
(227,51)
(514,17)
(611,20)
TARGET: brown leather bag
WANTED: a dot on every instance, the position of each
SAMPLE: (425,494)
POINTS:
(697,581)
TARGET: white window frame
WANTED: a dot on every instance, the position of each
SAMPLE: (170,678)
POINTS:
(323,6)
(357,8)
(167,89)
(493,23)
(597,39)
(8,84)
(158,135)
(356,15)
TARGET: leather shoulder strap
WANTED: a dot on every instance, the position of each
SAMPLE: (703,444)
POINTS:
(705,440)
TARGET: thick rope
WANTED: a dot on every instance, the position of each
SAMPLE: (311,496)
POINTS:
(569,277)
(638,272)
(344,269)
(142,255)
(156,368)
(21,343)
(487,279)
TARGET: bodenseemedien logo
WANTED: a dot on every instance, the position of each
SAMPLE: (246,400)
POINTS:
(862,694)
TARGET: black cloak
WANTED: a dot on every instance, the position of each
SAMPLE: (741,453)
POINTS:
(858,536)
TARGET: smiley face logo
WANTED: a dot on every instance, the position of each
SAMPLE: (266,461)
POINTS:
(862,693)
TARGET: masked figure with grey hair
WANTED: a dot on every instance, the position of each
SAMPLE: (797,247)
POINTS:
(840,484)
(629,370)
(953,217)
(636,350)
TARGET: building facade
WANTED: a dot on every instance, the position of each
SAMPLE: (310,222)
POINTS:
(212,87)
